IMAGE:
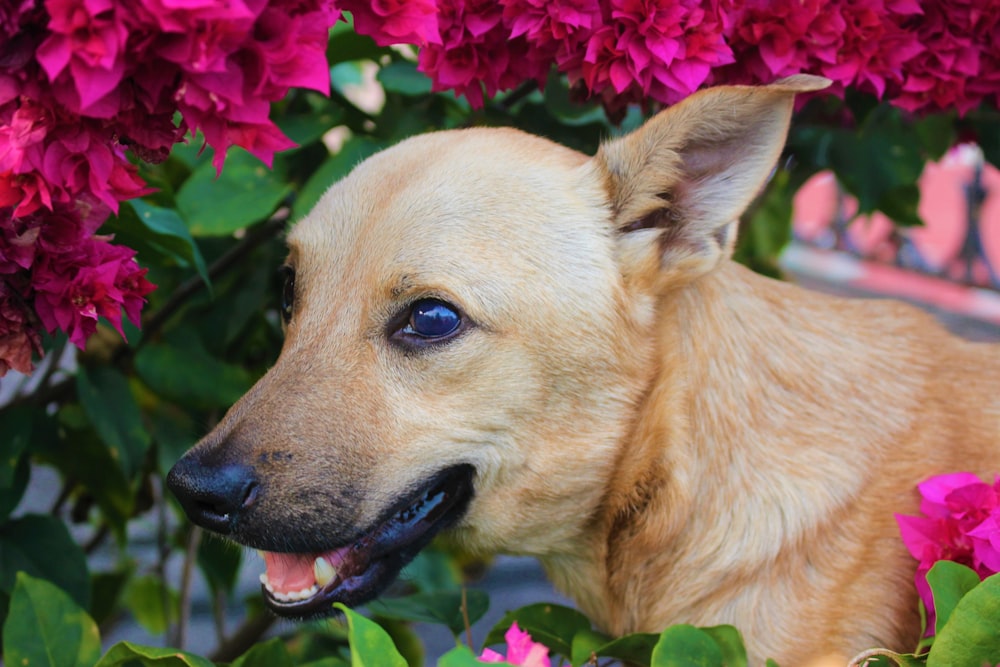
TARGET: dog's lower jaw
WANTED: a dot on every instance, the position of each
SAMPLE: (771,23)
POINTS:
(356,573)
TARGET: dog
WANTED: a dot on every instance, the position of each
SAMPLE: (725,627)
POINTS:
(540,352)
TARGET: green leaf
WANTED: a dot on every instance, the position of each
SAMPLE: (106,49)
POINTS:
(461,656)
(127,654)
(970,636)
(105,591)
(937,134)
(271,653)
(306,128)
(550,624)
(986,125)
(586,643)
(432,570)
(15,468)
(901,204)
(152,603)
(46,627)
(111,408)
(345,74)
(156,233)
(41,546)
(220,561)
(371,646)
(404,639)
(949,582)
(767,227)
(345,44)
(181,370)
(246,192)
(238,302)
(84,457)
(443,607)
(402,77)
(332,170)
(567,111)
(729,639)
(14,438)
(686,646)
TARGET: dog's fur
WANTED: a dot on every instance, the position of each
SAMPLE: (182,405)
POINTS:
(676,438)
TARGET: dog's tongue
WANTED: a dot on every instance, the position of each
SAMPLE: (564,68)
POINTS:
(289,572)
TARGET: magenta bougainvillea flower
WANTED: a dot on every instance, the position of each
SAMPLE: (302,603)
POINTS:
(960,522)
(395,21)
(477,56)
(521,650)
(960,48)
(82,82)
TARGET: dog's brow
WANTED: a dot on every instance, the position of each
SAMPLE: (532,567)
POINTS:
(402,286)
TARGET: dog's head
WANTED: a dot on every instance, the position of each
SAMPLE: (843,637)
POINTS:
(469,329)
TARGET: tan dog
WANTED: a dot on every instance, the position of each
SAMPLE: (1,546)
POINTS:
(553,355)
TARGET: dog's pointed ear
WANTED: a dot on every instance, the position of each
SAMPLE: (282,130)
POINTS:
(678,184)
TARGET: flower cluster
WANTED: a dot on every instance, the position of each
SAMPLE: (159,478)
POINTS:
(84,82)
(521,650)
(920,56)
(961,523)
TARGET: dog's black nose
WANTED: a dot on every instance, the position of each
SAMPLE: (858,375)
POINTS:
(213,496)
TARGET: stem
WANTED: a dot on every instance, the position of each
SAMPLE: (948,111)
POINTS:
(465,619)
(219,615)
(518,94)
(245,636)
(54,356)
(187,575)
(64,494)
(97,539)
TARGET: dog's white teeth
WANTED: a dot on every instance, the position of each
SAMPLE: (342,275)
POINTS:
(290,596)
(295,596)
(323,571)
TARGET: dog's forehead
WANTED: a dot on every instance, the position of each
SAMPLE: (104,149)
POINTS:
(435,197)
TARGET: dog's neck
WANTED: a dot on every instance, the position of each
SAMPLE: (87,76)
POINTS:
(719,474)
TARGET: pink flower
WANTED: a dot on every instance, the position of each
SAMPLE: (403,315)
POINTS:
(395,21)
(775,39)
(874,47)
(86,44)
(477,53)
(97,279)
(954,69)
(555,31)
(961,523)
(659,49)
(521,650)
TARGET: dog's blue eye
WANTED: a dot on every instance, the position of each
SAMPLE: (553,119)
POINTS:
(430,318)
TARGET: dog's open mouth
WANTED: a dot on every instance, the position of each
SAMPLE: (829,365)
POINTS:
(307,584)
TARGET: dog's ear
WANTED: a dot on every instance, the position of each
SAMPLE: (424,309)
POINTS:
(678,184)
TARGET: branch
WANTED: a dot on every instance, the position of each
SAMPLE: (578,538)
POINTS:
(245,636)
(187,574)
